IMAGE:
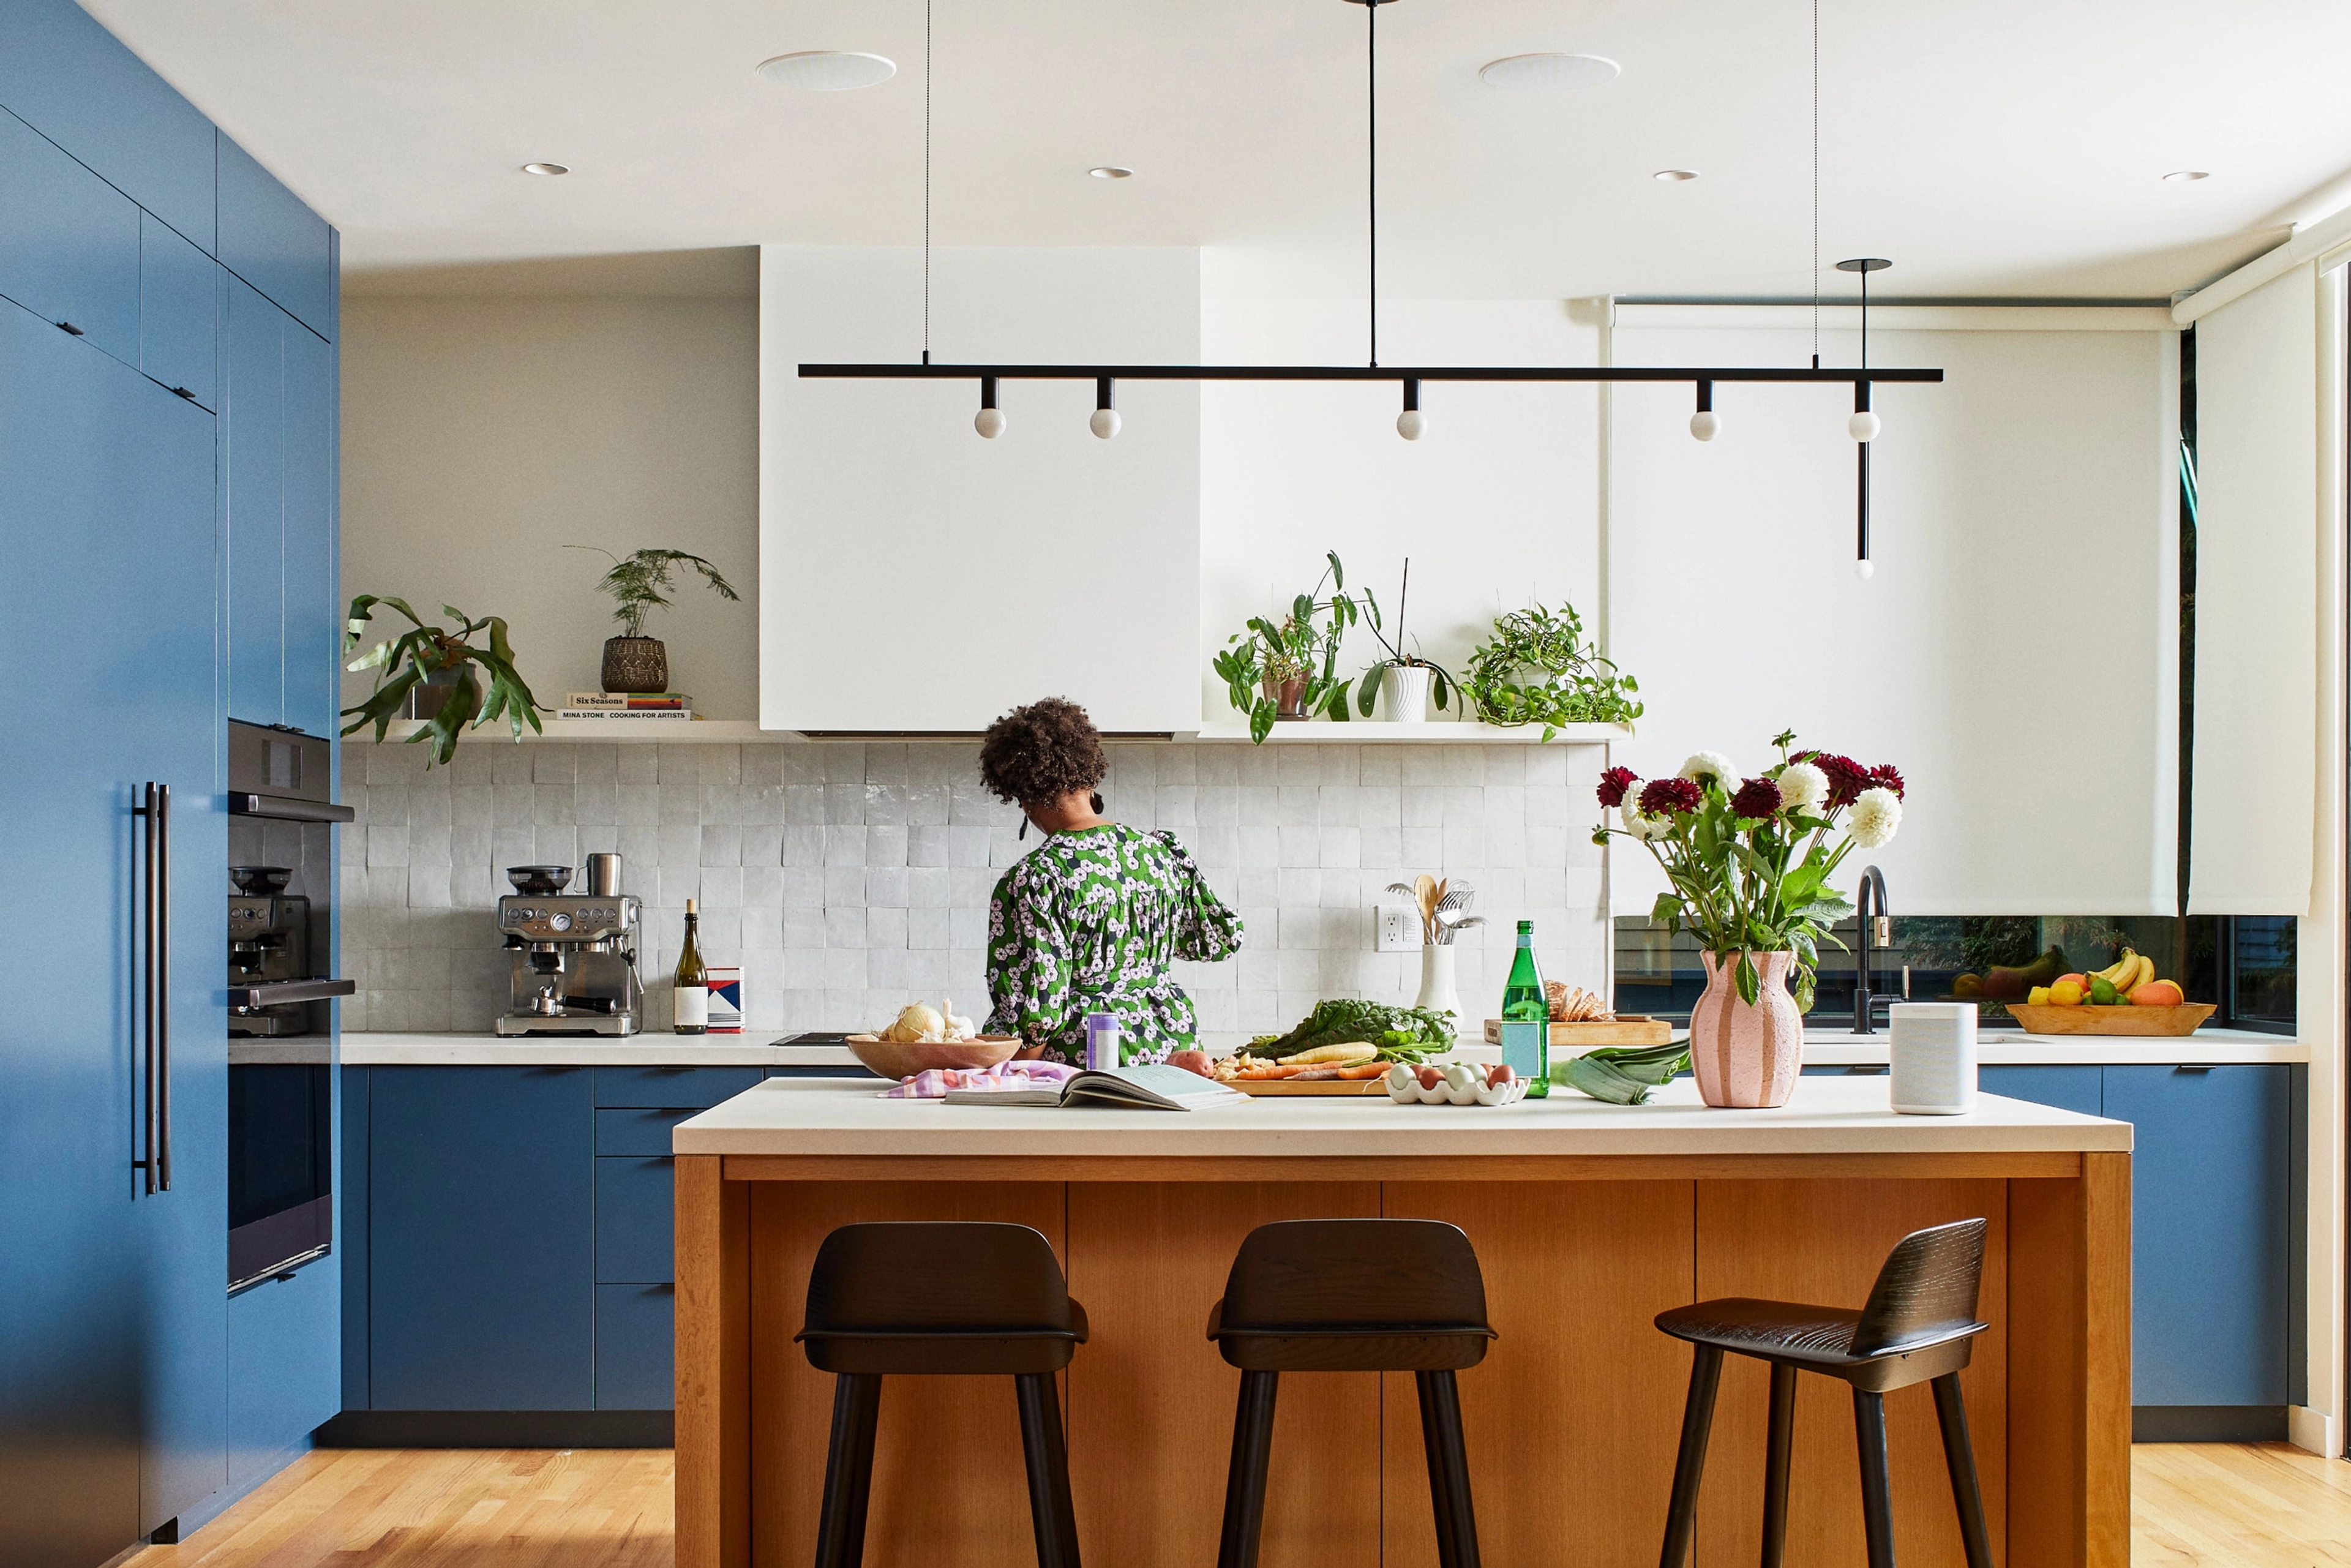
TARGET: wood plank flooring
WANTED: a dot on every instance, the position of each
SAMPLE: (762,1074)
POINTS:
(2193,1504)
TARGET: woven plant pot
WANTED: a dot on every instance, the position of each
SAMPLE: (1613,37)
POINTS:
(635,664)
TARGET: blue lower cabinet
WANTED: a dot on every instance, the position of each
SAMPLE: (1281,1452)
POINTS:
(481,1238)
(636,1219)
(636,1347)
(284,1364)
(668,1088)
(2210,1247)
(2064,1086)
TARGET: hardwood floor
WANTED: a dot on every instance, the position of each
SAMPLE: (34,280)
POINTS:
(2192,1504)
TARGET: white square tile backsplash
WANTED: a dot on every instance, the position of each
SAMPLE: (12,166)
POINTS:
(846,879)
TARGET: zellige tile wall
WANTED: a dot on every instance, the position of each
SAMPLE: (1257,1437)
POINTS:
(848,879)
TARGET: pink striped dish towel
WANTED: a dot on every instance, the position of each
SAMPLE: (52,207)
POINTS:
(932,1084)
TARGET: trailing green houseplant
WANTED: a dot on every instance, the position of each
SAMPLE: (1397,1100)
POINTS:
(1290,669)
(639,584)
(430,658)
(1440,683)
(1536,668)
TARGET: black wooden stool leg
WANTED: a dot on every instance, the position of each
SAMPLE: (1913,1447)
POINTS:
(1051,1515)
(1876,1490)
(1448,1479)
(1440,1497)
(848,1470)
(1697,1419)
(1959,1453)
(1245,1481)
(1775,1464)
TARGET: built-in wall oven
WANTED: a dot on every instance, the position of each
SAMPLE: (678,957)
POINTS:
(280,890)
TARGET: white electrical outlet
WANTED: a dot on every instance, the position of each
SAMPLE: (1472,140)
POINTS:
(1399,929)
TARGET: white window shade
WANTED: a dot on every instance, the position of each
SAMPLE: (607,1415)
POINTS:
(2256,600)
(2015,653)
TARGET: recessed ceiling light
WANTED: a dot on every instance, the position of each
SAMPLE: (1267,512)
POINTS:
(2181,176)
(1549,73)
(1110,172)
(827,70)
(1674,176)
(547,168)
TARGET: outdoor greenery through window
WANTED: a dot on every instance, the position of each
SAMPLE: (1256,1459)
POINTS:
(2245,965)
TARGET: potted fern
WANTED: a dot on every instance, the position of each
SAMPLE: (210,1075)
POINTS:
(640,584)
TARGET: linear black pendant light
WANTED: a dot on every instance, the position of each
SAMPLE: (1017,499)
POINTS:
(1412,424)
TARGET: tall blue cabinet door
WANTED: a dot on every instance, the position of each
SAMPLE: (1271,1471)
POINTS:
(71,80)
(270,239)
(109,1325)
(313,623)
(481,1239)
(69,248)
(177,331)
(253,474)
(2209,1250)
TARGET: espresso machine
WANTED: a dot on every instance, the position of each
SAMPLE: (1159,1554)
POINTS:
(269,943)
(574,954)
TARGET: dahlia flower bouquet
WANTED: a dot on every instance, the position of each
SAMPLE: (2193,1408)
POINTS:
(1750,859)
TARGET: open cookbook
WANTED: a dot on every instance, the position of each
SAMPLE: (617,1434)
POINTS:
(1147,1086)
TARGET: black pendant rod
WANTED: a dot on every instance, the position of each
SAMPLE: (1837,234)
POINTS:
(902,371)
(1371,158)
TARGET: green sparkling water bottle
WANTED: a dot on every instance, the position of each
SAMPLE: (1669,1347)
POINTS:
(1526,1017)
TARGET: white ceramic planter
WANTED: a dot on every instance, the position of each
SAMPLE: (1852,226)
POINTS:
(1436,991)
(1404,693)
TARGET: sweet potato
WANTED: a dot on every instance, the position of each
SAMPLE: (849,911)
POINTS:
(1193,1061)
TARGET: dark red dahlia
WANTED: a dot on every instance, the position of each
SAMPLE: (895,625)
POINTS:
(1666,796)
(1886,776)
(1615,785)
(1847,780)
(1757,798)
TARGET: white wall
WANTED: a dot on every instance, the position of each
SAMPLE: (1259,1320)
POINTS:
(1498,504)
(482,432)
(917,578)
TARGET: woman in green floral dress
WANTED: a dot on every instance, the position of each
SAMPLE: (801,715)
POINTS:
(1089,922)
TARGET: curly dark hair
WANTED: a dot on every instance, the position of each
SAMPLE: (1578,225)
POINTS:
(1040,753)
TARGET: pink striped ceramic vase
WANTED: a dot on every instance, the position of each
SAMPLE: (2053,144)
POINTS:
(1746,1054)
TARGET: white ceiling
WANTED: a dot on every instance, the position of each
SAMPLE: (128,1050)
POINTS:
(1990,147)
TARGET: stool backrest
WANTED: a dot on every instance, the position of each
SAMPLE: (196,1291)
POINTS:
(1926,1290)
(935,1276)
(1304,1274)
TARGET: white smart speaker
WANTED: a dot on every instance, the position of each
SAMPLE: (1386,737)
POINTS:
(1933,1045)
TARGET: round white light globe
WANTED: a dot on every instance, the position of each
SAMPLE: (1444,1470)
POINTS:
(1864,570)
(1703,424)
(1104,422)
(1864,425)
(1411,424)
(990,423)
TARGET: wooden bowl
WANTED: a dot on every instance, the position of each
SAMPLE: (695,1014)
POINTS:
(892,1059)
(2125,1019)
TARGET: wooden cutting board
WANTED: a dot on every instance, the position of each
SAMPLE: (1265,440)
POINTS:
(1625,1029)
(2087,1018)
(1278,1088)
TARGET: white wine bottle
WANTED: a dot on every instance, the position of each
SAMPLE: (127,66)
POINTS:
(690,1003)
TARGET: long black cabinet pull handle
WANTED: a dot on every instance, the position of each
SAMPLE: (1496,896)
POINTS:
(70,326)
(163,864)
(145,811)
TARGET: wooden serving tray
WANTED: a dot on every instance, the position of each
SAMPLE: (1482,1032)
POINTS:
(2125,1020)
(1277,1088)
(1625,1029)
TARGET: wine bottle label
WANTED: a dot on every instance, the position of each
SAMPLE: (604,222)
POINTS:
(692,1008)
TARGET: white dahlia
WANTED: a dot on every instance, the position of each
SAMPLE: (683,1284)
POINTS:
(1802,787)
(1705,765)
(1639,826)
(1876,814)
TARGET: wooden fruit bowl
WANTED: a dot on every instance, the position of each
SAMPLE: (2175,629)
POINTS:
(2087,1018)
(891,1058)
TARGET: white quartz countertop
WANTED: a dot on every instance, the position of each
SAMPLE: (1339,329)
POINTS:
(1827,1116)
(757,1049)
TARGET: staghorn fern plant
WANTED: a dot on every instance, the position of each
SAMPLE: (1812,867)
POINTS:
(640,583)
(412,659)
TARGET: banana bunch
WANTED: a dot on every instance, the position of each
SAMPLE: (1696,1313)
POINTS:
(2129,978)
(2126,974)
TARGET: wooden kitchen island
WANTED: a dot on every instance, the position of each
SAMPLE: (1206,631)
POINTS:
(1588,1220)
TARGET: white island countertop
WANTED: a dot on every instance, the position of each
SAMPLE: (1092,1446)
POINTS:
(1827,1116)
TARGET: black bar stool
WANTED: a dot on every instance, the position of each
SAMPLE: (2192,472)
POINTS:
(1919,1326)
(1352,1295)
(927,1299)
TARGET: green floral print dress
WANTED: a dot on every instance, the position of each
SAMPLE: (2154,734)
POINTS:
(1088,923)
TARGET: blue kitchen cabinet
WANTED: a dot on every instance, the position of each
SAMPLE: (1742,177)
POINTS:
(71,80)
(112,1342)
(69,248)
(2210,1249)
(481,1244)
(313,616)
(178,290)
(352,1203)
(636,1347)
(284,1364)
(636,1219)
(2067,1086)
(253,479)
(275,243)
